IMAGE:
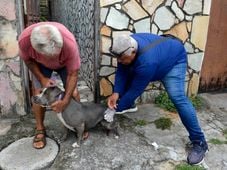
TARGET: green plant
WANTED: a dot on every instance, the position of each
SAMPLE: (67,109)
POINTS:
(43,18)
(104,102)
(224,132)
(163,101)
(196,101)
(163,123)
(217,141)
(141,122)
(188,167)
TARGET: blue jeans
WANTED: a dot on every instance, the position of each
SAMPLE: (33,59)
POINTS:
(174,83)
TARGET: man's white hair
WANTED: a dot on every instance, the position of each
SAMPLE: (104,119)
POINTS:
(123,42)
(45,39)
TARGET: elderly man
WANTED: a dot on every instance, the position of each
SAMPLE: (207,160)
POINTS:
(46,47)
(143,58)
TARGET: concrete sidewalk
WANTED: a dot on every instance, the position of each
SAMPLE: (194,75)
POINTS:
(141,146)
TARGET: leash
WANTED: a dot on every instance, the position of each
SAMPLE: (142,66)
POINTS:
(163,38)
(153,44)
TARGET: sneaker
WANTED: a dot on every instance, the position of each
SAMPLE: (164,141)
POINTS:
(130,110)
(197,152)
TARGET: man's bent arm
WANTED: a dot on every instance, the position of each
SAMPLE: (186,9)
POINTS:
(141,79)
(71,84)
(34,68)
(120,78)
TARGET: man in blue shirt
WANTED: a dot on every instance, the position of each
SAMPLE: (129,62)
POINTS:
(143,58)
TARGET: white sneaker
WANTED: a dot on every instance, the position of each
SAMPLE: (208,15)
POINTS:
(130,110)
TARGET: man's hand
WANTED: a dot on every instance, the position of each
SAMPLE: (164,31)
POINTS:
(109,115)
(112,101)
(71,82)
(34,68)
(59,105)
(46,82)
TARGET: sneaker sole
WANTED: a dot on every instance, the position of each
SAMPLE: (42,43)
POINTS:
(128,111)
(201,162)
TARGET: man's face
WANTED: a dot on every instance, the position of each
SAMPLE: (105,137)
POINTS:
(126,59)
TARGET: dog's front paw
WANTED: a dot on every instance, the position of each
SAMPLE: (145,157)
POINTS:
(116,136)
(75,145)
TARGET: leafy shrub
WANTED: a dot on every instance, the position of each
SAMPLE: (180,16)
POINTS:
(163,101)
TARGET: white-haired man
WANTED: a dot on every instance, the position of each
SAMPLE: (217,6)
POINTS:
(46,47)
(143,58)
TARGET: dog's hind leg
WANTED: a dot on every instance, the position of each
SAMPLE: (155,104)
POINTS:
(80,131)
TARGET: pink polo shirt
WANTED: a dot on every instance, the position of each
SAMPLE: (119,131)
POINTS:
(69,56)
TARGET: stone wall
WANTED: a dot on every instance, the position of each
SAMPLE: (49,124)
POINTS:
(186,19)
(11,96)
(78,17)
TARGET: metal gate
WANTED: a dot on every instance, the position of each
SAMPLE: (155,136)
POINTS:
(31,12)
(81,17)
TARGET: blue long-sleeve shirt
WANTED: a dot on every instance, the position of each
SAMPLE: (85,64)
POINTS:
(152,65)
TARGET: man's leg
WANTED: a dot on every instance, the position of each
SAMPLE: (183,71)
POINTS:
(63,74)
(174,83)
(39,112)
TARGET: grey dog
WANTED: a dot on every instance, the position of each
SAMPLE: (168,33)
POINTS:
(78,117)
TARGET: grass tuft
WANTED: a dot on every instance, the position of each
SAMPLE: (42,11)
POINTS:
(163,123)
(217,141)
(141,123)
(188,167)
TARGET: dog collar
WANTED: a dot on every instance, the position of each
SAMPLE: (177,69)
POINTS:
(60,96)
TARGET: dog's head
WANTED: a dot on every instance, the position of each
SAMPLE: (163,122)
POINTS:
(48,95)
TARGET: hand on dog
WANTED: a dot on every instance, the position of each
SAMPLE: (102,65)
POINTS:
(46,82)
(112,101)
(59,106)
